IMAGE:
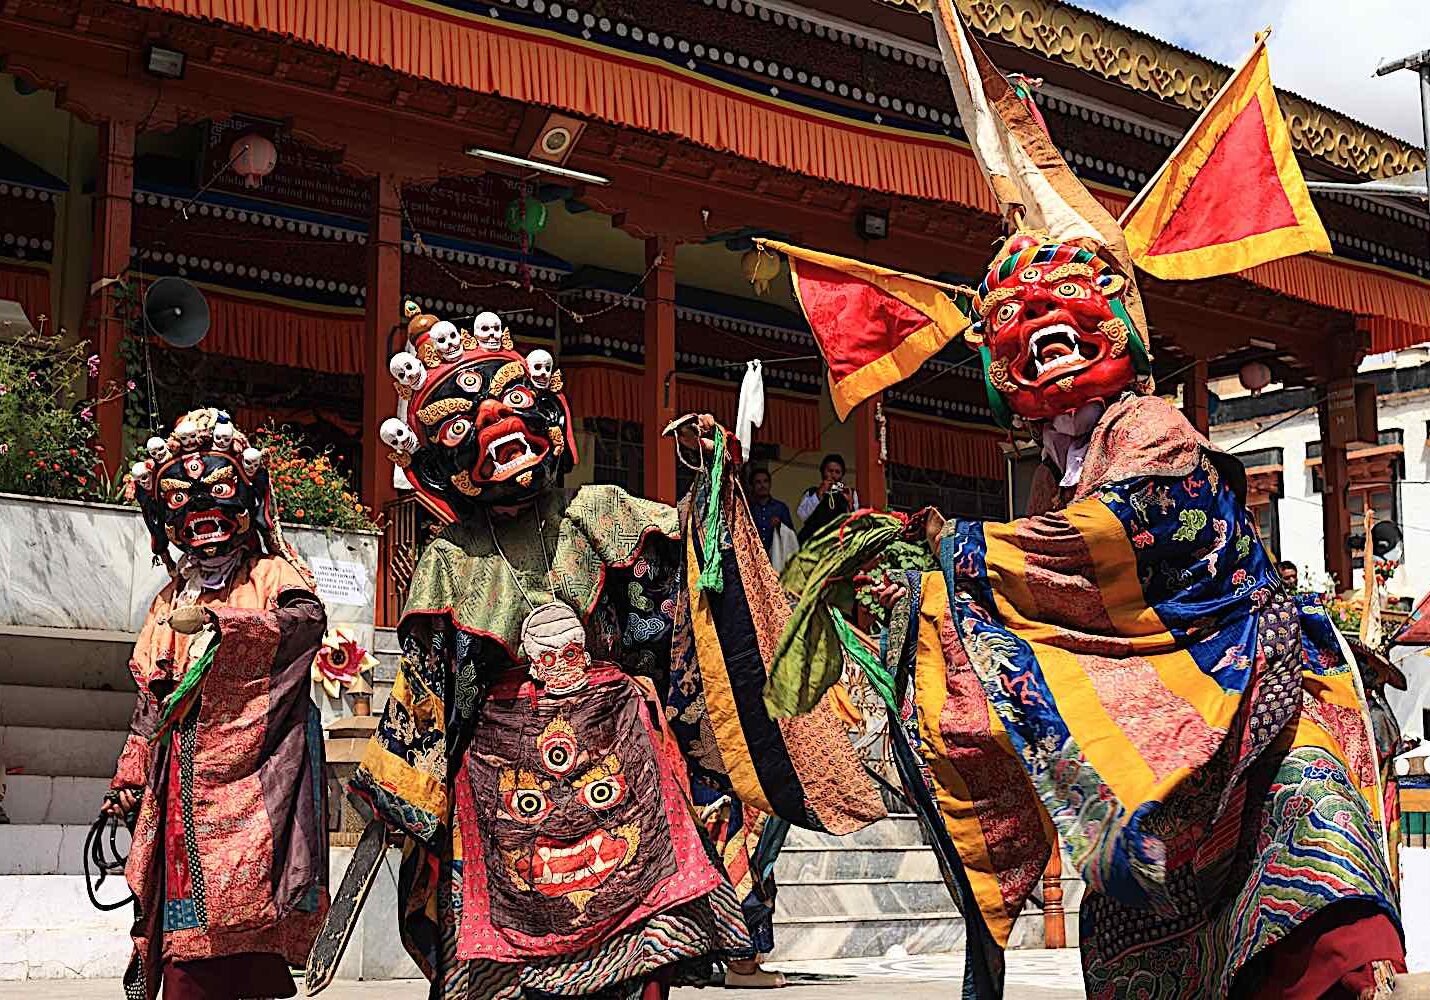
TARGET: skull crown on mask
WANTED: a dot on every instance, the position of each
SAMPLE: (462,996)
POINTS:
(482,425)
(196,494)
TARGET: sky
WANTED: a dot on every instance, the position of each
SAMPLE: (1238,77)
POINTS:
(1325,50)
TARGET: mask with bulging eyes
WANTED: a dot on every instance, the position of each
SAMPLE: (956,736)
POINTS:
(1056,335)
(206,501)
(488,436)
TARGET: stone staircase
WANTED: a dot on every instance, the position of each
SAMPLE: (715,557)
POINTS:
(860,895)
(65,704)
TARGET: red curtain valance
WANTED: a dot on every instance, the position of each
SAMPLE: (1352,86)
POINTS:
(282,333)
(948,447)
(476,53)
(29,286)
(596,390)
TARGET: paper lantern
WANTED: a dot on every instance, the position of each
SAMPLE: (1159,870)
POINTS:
(1255,376)
(253,158)
(760,268)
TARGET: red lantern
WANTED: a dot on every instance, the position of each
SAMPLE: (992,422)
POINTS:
(1255,376)
(253,158)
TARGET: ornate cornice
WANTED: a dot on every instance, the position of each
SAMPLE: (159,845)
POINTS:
(1092,43)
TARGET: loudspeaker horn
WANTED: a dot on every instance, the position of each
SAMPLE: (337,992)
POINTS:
(1385,538)
(176,312)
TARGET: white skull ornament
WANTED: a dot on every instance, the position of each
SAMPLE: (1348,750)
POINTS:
(409,373)
(139,472)
(223,435)
(539,365)
(188,434)
(447,339)
(158,449)
(553,640)
(252,461)
(398,436)
(487,328)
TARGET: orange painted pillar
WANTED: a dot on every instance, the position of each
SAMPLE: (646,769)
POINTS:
(1196,397)
(383,312)
(659,364)
(870,474)
(113,233)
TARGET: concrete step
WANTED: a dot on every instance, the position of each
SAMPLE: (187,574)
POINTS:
(63,661)
(39,798)
(49,930)
(84,753)
(64,708)
(866,935)
(798,864)
(899,830)
(46,848)
(836,898)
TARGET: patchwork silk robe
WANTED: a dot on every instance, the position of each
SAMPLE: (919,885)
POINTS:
(1126,669)
(230,848)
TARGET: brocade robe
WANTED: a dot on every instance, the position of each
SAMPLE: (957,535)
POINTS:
(229,854)
(1127,670)
(550,844)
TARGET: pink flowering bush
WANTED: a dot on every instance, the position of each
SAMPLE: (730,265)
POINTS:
(47,445)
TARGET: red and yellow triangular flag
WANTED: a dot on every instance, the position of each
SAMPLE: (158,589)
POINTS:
(1231,195)
(874,326)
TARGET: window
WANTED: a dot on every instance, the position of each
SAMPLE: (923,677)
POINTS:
(618,452)
(1375,475)
(1261,458)
(912,488)
(1391,435)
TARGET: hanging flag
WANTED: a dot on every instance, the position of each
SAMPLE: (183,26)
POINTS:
(1033,184)
(1416,629)
(874,326)
(1231,195)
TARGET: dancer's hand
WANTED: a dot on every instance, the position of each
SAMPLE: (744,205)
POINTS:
(189,620)
(886,594)
(121,804)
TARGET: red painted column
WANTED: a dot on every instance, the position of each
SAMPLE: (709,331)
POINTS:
(659,363)
(113,233)
(870,475)
(384,310)
(1196,398)
(1337,418)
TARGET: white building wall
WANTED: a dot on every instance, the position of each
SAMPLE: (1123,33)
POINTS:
(1299,508)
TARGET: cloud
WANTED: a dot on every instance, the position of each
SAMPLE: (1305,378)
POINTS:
(1324,50)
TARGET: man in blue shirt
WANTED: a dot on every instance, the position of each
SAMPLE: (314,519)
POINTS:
(768,512)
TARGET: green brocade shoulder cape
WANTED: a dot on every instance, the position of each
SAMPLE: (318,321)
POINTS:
(461,574)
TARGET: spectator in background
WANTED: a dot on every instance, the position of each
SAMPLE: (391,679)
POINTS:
(768,512)
(827,501)
(1290,574)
